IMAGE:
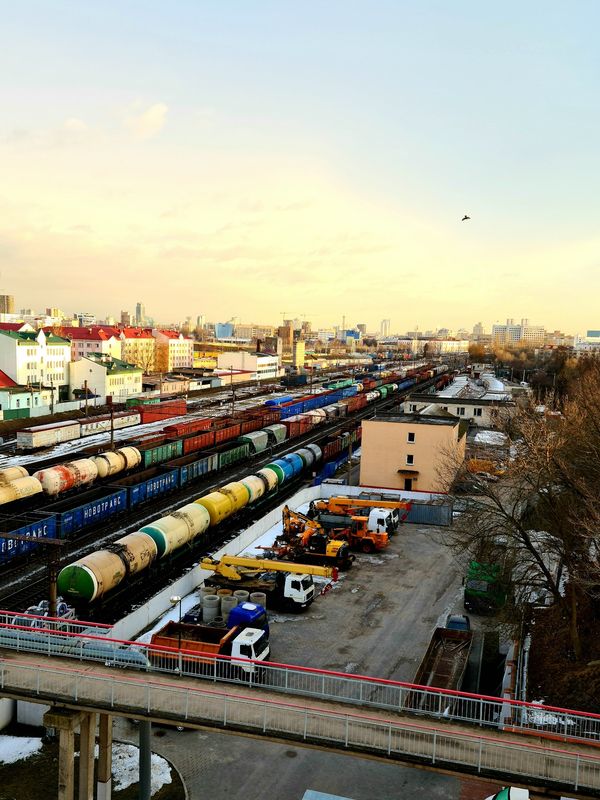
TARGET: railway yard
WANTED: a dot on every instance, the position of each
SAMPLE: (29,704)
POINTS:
(199,486)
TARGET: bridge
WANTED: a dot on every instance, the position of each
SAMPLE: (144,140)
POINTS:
(69,670)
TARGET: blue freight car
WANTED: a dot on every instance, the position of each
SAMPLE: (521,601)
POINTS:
(87,509)
(192,468)
(148,485)
(34,526)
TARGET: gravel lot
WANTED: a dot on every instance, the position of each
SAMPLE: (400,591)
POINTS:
(378,618)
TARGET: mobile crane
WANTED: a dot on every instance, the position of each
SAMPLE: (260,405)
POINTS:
(383,515)
(305,540)
(284,583)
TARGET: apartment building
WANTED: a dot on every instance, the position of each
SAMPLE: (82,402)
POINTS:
(106,377)
(173,350)
(35,358)
(413,453)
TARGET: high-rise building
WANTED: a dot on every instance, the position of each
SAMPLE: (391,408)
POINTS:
(385,328)
(54,312)
(362,329)
(140,314)
(298,353)
(7,304)
(200,321)
(85,318)
(126,318)
(478,329)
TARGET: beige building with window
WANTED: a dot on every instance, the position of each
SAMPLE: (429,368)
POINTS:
(412,453)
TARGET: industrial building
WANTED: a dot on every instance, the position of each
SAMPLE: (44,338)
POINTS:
(260,366)
(411,452)
(484,402)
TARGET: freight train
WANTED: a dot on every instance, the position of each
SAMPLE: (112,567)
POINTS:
(182,453)
(93,576)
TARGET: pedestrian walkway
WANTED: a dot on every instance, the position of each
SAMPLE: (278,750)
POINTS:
(328,724)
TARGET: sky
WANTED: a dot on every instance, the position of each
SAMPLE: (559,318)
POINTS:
(270,159)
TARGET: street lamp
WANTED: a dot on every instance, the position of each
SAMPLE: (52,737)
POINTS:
(176,599)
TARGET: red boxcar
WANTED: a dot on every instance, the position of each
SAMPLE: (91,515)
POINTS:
(198,441)
(228,431)
(248,425)
(298,427)
(179,429)
(332,449)
(160,411)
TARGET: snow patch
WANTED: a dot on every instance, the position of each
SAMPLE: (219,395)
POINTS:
(126,765)
(491,437)
(17,748)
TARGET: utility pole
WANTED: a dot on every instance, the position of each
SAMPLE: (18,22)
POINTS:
(53,560)
(112,422)
(232,390)
(350,460)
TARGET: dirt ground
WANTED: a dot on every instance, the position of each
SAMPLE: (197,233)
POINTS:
(554,675)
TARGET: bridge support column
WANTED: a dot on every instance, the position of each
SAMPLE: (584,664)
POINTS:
(65,722)
(87,746)
(104,785)
(145,760)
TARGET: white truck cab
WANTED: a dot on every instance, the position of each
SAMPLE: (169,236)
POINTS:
(384,520)
(251,643)
(299,589)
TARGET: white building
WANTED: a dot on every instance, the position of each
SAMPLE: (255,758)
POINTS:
(260,365)
(511,334)
(105,376)
(35,358)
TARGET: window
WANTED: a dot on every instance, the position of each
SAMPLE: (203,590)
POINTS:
(460,411)
(477,412)
(410,437)
(410,459)
(413,407)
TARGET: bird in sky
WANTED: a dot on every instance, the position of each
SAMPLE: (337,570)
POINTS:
(465,218)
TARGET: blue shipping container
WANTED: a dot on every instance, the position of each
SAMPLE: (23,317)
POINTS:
(44,528)
(91,513)
(153,487)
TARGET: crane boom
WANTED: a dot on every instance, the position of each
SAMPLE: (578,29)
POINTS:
(234,567)
(355,502)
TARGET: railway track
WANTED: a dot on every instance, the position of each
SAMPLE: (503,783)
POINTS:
(27,584)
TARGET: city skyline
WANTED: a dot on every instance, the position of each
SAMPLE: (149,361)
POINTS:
(260,160)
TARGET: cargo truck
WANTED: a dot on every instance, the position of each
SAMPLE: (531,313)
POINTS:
(443,666)
(286,585)
(304,540)
(193,649)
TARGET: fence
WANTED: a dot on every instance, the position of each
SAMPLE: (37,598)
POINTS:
(328,727)
(93,644)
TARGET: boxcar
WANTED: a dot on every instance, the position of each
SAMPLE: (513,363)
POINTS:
(192,467)
(202,440)
(148,485)
(34,526)
(231,454)
(123,419)
(47,435)
(157,454)
(87,509)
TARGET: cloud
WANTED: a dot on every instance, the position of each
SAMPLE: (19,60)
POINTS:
(149,123)
(74,125)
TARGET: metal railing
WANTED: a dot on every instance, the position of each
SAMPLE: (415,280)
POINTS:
(481,710)
(331,728)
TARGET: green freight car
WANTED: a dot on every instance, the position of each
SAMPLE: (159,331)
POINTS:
(166,451)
